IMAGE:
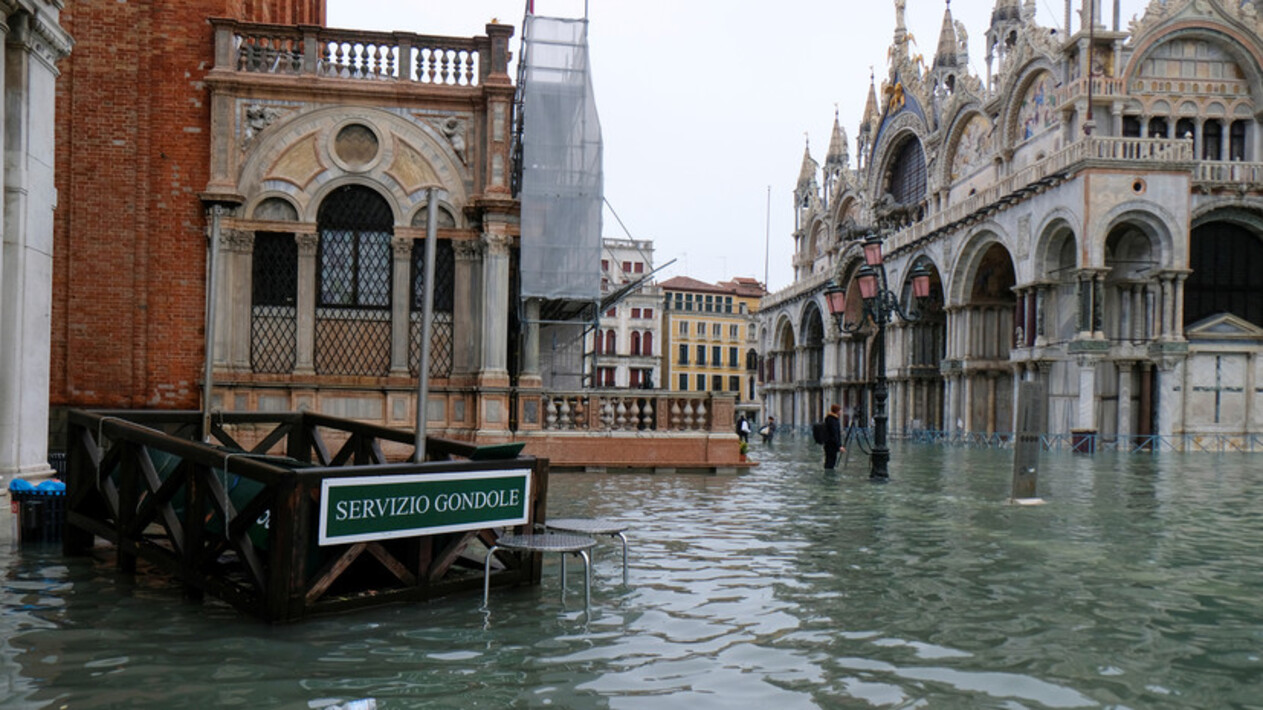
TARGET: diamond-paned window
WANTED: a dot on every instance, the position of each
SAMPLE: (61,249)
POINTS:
(354,273)
(273,296)
(441,329)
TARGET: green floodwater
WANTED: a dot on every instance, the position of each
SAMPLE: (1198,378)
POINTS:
(1138,585)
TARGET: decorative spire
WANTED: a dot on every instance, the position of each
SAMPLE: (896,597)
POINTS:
(945,56)
(807,175)
(1006,11)
(838,155)
(870,107)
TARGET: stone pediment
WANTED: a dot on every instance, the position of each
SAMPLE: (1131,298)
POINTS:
(1223,326)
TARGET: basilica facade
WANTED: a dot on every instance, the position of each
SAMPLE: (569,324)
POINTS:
(1091,215)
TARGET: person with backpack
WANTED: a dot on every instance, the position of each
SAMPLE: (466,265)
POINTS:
(832,437)
(768,430)
(743,429)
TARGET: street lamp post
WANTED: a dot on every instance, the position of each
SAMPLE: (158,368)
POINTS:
(880,305)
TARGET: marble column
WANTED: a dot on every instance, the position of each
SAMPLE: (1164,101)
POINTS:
(991,402)
(1086,415)
(236,296)
(34,44)
(967,399)
(467,335)
(1125,428)
(1170,400)
(495,307)
(530,344)
(400,305)
(1177,296)
(305,303)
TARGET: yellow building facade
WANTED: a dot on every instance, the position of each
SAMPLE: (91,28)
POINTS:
(710,338)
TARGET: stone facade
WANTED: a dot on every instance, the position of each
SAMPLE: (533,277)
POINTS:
(627,341)
(709,333)
(34,44)
(1090,211)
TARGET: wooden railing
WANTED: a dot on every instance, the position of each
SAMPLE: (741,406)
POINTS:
(287,50)
(242,523)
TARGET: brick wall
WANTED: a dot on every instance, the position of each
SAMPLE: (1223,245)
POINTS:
(133,131)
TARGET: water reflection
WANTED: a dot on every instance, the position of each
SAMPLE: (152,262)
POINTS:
(1137,586)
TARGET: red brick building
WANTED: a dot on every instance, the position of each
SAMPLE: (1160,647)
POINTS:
(133,122)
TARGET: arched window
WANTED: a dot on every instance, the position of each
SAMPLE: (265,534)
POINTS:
(354,269)
(1212,140)
(907,177)
(635,343)
(646,343)
(611,343)
(1226,260)
(274,297)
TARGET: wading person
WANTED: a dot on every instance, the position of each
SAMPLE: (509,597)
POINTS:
(768,430)
(832,437)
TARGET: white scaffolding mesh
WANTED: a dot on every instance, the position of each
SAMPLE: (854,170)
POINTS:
(561,189)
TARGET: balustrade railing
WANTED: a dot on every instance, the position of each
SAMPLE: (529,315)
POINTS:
(1102,86)
(352,54)
(597,410)
(1229,173)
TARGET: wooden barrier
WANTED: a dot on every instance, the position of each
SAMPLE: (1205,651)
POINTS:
(243,524)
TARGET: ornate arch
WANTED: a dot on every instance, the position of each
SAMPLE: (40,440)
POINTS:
(965,264)
(1030,73)
(298,156)
(1245,51)
(906,125)
(957,137)
(1058,225)
(1152,218)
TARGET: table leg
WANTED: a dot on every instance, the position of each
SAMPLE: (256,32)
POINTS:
(623,537)
(486,576)
(587,582)
(563,576)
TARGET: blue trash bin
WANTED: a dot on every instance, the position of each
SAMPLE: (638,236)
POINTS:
(40,509)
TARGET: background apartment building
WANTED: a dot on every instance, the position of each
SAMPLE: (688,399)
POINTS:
(627,339)
(710,338)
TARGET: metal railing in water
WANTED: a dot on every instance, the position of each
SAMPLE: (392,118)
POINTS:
(1089,443)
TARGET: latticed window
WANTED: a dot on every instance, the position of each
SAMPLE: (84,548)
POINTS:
(1226,260)
(353,294)
(907,180)
(441,328)
(273,312)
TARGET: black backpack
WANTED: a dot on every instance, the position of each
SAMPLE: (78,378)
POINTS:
(817,432)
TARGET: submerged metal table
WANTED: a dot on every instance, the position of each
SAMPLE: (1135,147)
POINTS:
(545,542)
(593,526)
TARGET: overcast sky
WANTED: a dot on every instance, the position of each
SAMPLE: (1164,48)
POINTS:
(705,104)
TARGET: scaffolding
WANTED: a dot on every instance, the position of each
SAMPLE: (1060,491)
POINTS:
(557,177)
(558,163)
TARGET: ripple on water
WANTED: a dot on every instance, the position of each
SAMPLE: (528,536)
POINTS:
(1135,586)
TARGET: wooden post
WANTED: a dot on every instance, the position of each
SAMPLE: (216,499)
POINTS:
(1031,404)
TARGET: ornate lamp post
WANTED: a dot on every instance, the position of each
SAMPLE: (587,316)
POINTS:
(880,305)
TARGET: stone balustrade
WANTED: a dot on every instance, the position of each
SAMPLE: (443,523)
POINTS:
(1012,188)
(1220,173)
(622,410)
(306,50)
(1008,190)
(1102,87)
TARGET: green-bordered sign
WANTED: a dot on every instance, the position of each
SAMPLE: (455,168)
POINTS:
(384,507)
